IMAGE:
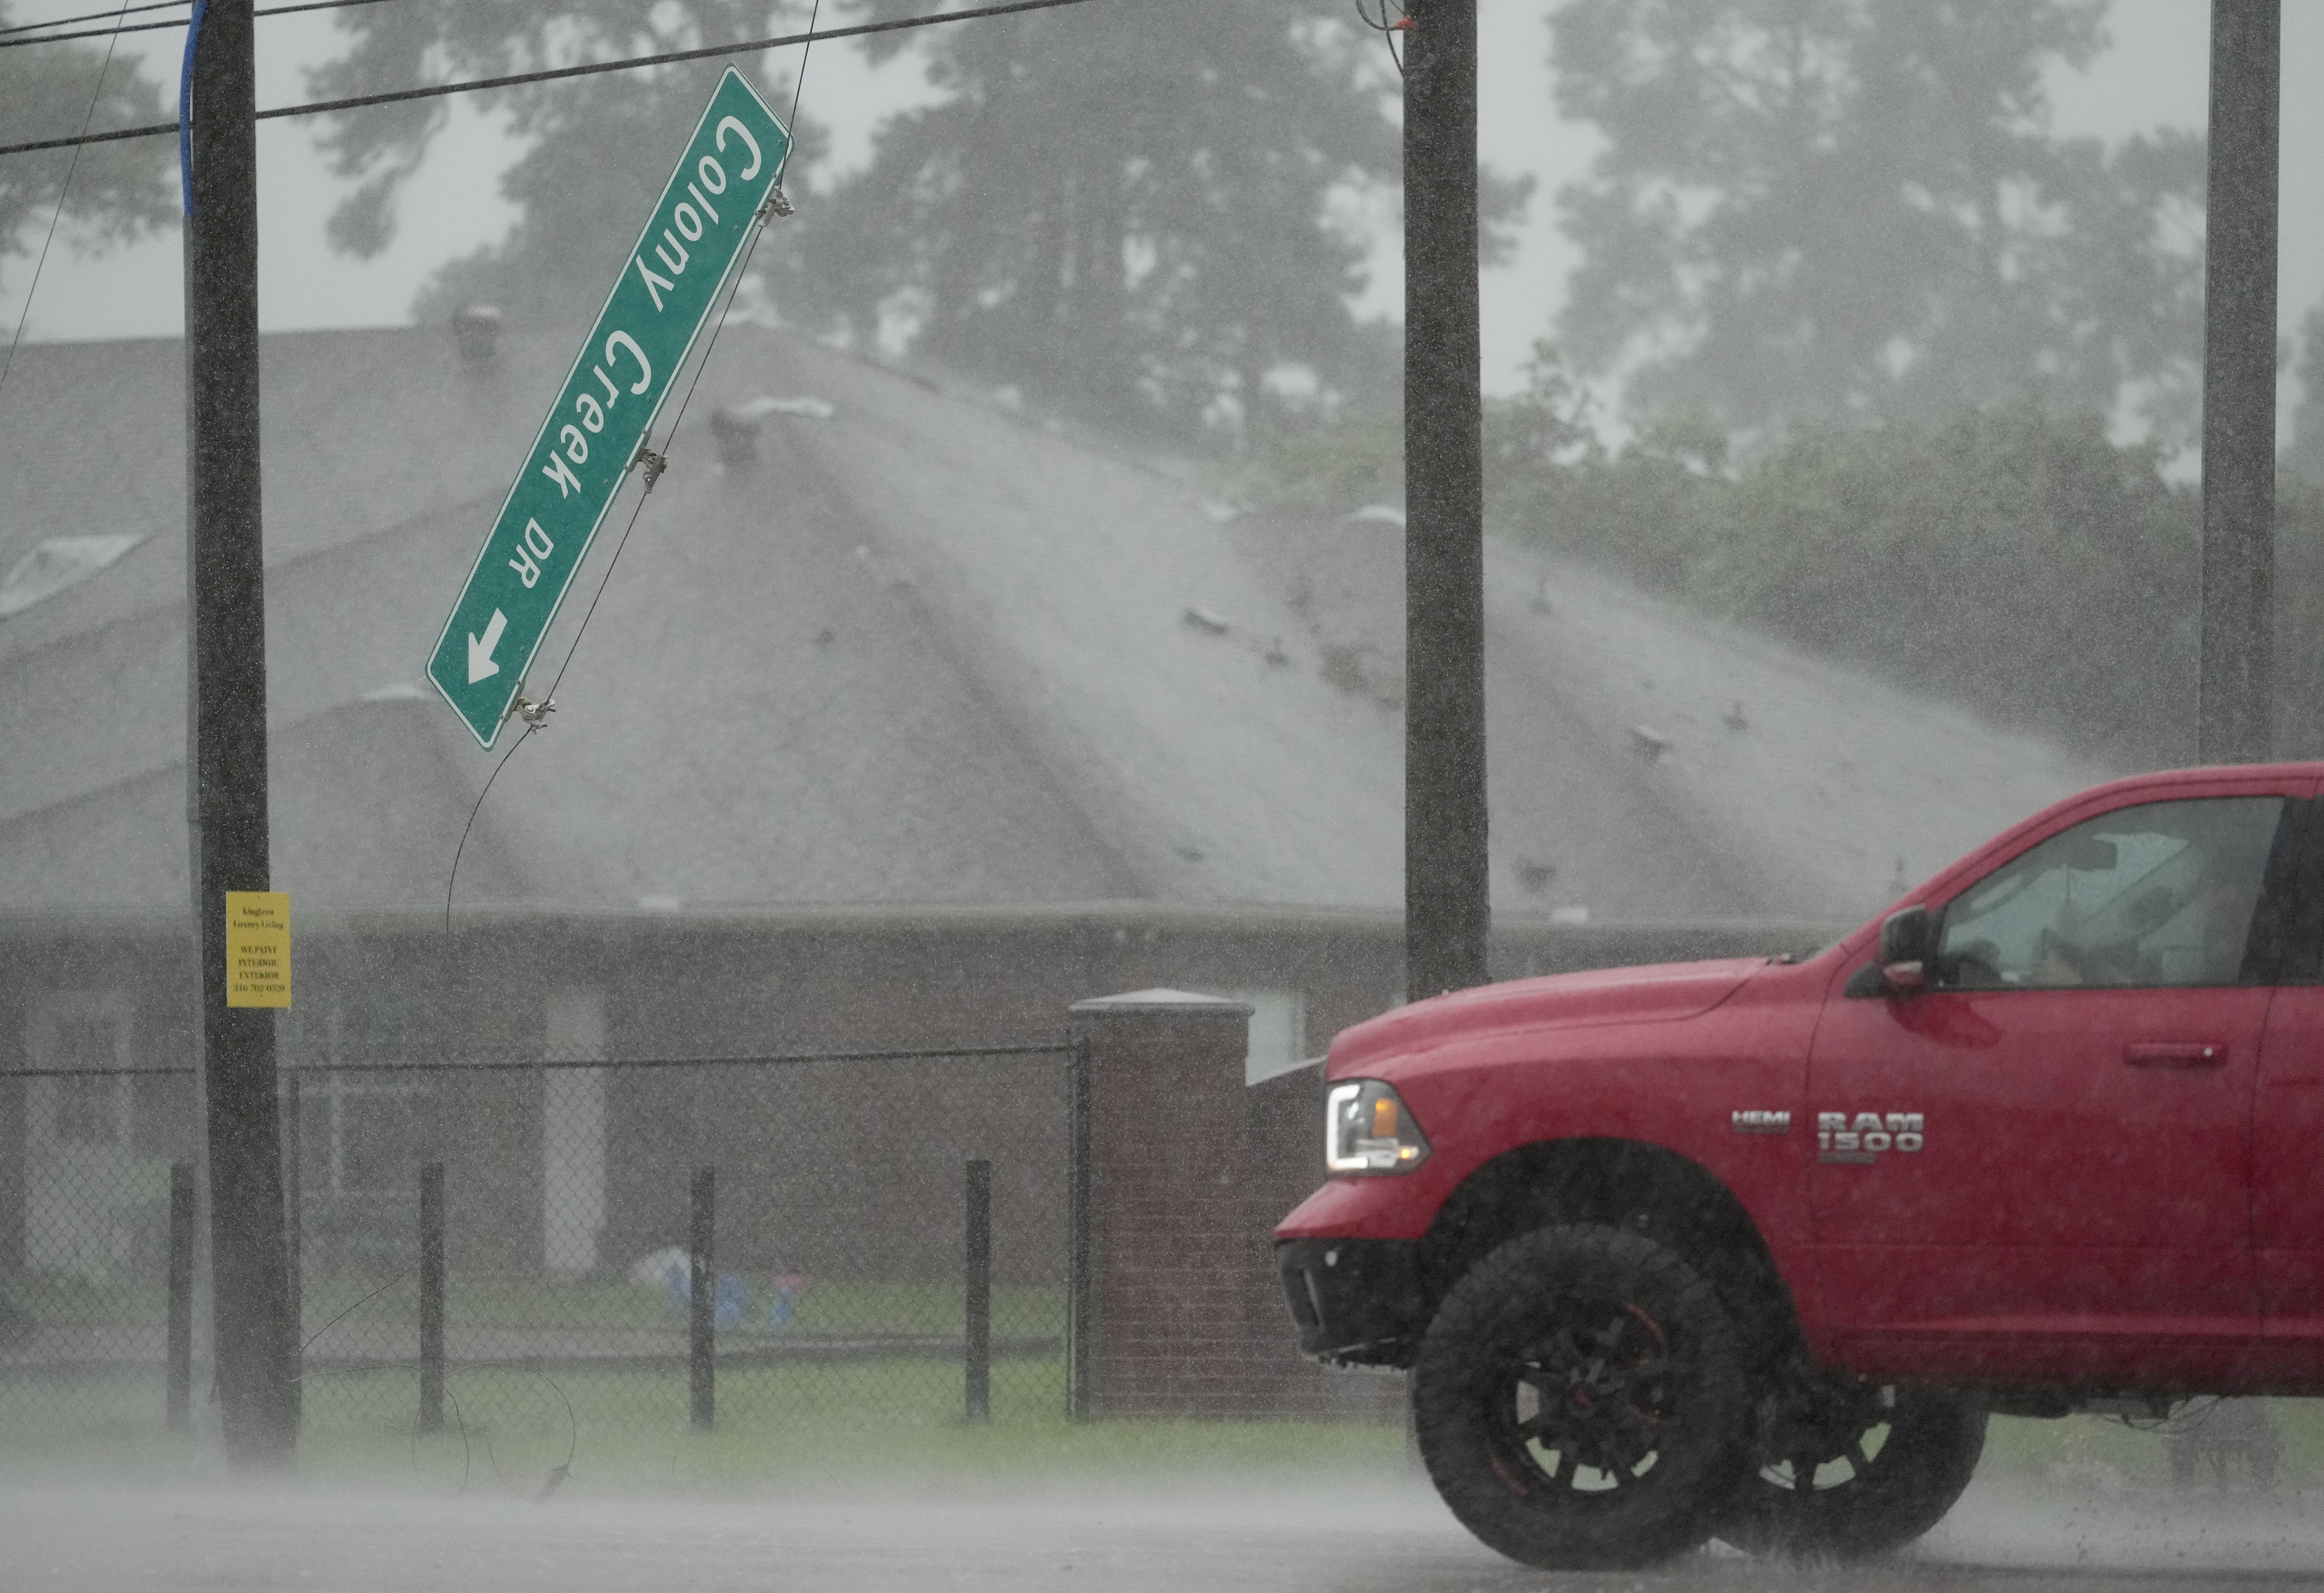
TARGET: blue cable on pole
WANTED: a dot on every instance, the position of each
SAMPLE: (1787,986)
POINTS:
(186,106)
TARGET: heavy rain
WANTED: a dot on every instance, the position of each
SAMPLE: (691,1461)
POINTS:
(1415,794)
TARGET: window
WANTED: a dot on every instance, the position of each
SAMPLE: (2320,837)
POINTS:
(88,1111)
(57,563)
(361,1133)
(2158,894)
(89,1032)
(83,1187)
(1278,1030)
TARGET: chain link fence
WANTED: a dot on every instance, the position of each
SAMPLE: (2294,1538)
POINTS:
(88,1313)
(528,1260)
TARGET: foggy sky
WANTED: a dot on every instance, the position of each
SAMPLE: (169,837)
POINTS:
(2154,76)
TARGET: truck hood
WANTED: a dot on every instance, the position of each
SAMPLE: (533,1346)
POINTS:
(1660,993)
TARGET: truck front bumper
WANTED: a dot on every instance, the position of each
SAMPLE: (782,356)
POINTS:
(1355,1301)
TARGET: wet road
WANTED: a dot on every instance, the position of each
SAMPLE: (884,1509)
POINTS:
(1356,1536)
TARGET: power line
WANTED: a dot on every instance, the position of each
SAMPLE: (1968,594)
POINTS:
(631,63)
(93,17)
(175,22)
(628,63)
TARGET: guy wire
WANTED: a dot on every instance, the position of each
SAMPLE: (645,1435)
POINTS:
(759,230)
(469,828)
(55,215)
(734,287)
(798,87)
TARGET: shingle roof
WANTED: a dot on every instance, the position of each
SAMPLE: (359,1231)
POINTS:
(923,650)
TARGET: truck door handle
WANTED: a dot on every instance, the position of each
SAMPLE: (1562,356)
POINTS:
(2174,1053)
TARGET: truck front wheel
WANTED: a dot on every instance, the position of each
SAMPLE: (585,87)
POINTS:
(1846,1472)
(1580,1401)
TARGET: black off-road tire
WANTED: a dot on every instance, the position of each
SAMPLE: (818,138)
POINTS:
(1582,1402)
(1884,1465)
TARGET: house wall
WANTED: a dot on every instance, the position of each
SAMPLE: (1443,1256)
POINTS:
(836,1169)
(133,971)
(12,1132)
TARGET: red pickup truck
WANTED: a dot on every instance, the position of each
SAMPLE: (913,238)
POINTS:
(1750,1249)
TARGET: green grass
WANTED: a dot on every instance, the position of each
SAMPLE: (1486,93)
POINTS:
(2101,1453)
(793,1423)
(360,1302)
(61,1298)
(791,1426)
(819,1308)
(795,1420)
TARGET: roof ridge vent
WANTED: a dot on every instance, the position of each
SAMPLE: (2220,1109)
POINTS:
(736,426)
(477,328)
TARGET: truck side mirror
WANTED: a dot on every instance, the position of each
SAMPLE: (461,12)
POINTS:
(1908,948)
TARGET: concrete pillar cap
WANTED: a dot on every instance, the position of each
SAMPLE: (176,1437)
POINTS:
(1159,1004)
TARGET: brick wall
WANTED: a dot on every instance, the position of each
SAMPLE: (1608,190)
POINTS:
(1191,1169)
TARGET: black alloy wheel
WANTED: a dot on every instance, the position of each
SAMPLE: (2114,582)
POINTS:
(1580,1400)
(1848,1470)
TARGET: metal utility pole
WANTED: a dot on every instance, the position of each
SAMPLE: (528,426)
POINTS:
(2234,701)
(1447,912)
(225,755)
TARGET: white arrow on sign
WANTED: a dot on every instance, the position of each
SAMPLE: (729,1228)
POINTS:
(480,666)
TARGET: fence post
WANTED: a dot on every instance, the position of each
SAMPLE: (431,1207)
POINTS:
(978,1357)
(701,1298)
(1078,1237)
(294,1207)
(179,1417)
(432,1297)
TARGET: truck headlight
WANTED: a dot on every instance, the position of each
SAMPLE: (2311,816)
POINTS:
(1367,1129)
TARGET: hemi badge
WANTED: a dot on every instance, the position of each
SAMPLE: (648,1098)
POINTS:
(1761,1122)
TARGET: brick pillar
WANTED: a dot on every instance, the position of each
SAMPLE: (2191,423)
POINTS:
(1168,1246)
(1190,1172)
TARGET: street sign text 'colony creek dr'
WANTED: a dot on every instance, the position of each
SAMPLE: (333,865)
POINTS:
(607,408)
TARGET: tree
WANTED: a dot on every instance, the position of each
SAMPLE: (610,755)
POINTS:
(2010,557)
(117,191)
(609,138)
(1129,210)
(1849,208)
(1149,214)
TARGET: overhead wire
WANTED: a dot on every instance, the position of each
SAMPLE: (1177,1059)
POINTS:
(175,22)
(93,16)
(1386,30)
(323,107)
(64,189)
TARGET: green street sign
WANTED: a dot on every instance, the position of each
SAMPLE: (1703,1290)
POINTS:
(606,411)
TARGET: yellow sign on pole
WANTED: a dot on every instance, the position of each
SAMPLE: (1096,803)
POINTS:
(257,949)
